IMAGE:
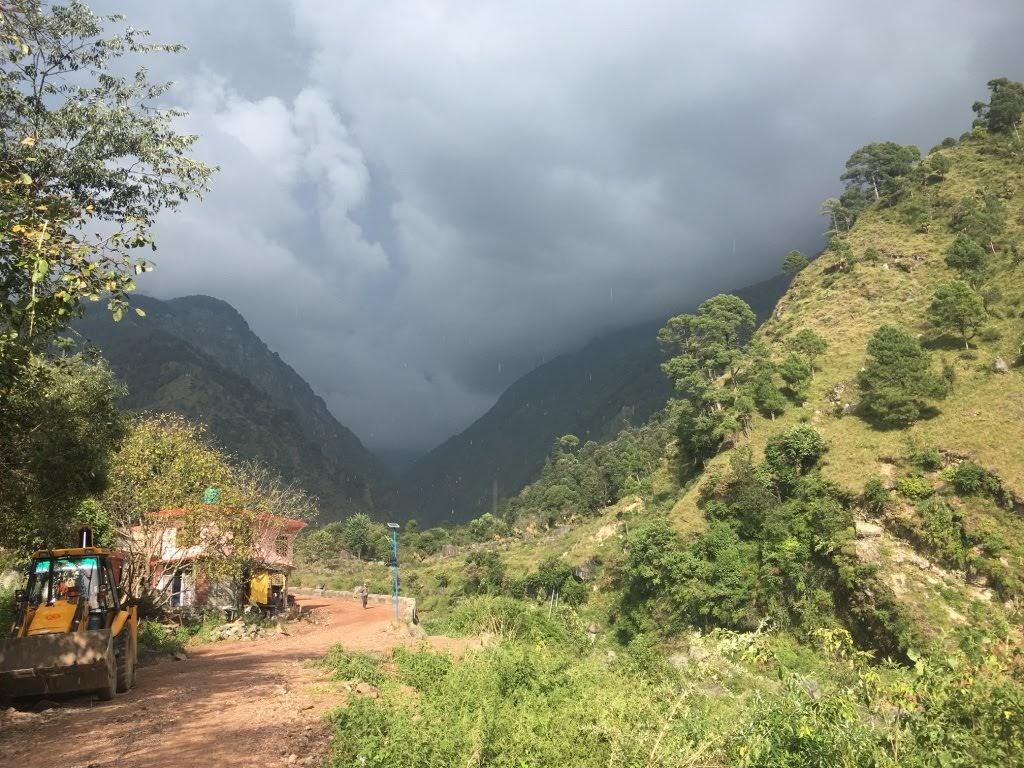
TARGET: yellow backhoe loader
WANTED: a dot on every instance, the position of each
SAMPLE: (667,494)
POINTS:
(268,591)
(74,632)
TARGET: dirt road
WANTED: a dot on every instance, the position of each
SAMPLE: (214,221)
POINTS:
(230,704)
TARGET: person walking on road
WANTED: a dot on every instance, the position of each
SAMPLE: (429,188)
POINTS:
(364,594)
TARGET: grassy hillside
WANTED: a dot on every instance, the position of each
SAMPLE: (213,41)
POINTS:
(591,393)
(984,414)
(898,261)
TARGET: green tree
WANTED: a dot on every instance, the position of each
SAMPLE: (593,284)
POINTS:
(844,210)
(59,426)
(792,453)
(982,221)
(897,380)
(359,534)
(260,489)
(165,462)
(706,346)
(967,257)
(938,167)
(485,573)
(794,262)
(486,527)
(956,308)
(796,371)
(321,545)
(567,443)
(840,217)
(82,148)
(876,167)
(743,408)
(1002,113)
(809,344)
(699,431)
(842,250)
(765,393)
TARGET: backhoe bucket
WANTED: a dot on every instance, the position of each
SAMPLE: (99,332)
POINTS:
(56,663)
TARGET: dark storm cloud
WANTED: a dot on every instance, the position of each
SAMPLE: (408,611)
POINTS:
(421,201)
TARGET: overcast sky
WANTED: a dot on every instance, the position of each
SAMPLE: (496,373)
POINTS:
(421,201)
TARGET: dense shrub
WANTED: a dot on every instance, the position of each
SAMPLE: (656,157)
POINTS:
(943,532)
(795,727)
(553,579)
(990,333)
(915,487)
(516,705)
(485,572)
(423,669)
(346,665)
(155,637)
(513,619)
(961,714)
(968,479)
(928,459)
(767,552)
(875,496)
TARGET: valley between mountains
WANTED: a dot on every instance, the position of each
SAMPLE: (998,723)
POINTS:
(777,524)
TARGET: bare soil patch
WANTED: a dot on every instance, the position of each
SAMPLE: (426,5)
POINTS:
(229,704)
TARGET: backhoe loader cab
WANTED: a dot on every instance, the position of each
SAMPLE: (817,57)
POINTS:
(73,630)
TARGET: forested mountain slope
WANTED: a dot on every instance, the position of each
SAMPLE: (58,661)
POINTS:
(592,393)
(923,426)
(197,356)
(886,270)
(856,461)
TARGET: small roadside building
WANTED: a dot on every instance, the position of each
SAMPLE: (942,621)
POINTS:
(181,539)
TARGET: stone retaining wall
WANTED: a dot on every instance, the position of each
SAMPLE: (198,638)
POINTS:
(406,605)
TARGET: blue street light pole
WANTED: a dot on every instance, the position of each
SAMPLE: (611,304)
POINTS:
(394,565)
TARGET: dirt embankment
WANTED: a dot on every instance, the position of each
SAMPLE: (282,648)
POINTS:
(230,704)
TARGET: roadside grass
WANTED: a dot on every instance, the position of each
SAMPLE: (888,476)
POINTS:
(168,638)
(724,698)
(154,636)
(356,667)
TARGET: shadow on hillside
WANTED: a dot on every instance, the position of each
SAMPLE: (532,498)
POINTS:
(945,343)
(925,413)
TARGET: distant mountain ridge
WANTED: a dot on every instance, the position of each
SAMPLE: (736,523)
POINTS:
(591,392)
(197,356)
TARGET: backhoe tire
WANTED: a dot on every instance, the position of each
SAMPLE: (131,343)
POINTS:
(106,693)
(124,660)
